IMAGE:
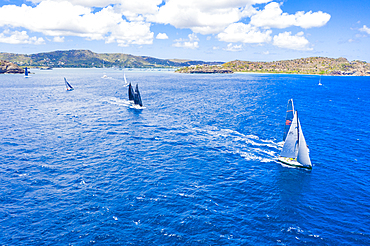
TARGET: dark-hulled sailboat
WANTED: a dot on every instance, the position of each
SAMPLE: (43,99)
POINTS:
(26,72)
(137,97)
(130,93)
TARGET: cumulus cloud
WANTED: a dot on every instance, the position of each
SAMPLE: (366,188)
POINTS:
(273,17)
(246,33)
(127,33)
(128,22)
(190,43)
(162,36)
(204,17)
(231,47)
(58,39)
(17,37)
(296,42)
(54,18)
(365,29)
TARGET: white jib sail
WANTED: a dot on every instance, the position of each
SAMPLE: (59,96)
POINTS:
(303,156)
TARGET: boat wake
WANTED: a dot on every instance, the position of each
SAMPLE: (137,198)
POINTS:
(136,106)
(250,147)
(116,101)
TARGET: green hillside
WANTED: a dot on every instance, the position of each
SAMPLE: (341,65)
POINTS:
(310,65)
(87,59)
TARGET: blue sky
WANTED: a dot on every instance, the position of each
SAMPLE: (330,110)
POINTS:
(216,30)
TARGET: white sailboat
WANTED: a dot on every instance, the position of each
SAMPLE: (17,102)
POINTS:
(124,77)
(320,81)
(295,151)
(104,75)
(68,85)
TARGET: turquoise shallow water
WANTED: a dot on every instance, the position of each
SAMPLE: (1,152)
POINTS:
(197,166)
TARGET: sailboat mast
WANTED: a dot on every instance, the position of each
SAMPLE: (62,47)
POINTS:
(288,117)
(298,127)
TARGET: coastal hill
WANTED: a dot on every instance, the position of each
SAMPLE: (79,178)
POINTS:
(8,67)
(89,59)
(311,65)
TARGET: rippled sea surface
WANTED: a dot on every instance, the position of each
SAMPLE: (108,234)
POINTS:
(196,166)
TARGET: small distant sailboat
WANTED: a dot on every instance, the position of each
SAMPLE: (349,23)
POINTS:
(68,85)
(104,76)
(26,72)
(124,77)
(295,151)
(320,81)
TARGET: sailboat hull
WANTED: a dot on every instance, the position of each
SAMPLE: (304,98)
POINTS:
(292,162)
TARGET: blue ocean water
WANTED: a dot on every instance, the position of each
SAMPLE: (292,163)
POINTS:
(196,166)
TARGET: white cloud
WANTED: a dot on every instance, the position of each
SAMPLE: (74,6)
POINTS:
(188,45)
(273,17)
(85,3)
(365,29)
(204,17)
(309,19)
(191,43)
(296,42)
(131,33)
(128,22)
(17,37)
(240,32)
(58,39)
(53,18)
(193,37)
(231,47)
(162,36)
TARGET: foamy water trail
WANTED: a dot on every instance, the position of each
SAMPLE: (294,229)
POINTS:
(250,147)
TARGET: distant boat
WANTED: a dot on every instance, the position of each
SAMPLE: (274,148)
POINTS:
(131,93)
(68,86)
(288,117)
(137,97)
(104,76)
(26,72)
(320,82)
(124,77)
(295,151)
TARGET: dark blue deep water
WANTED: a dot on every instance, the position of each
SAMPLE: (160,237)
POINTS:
(197,166)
